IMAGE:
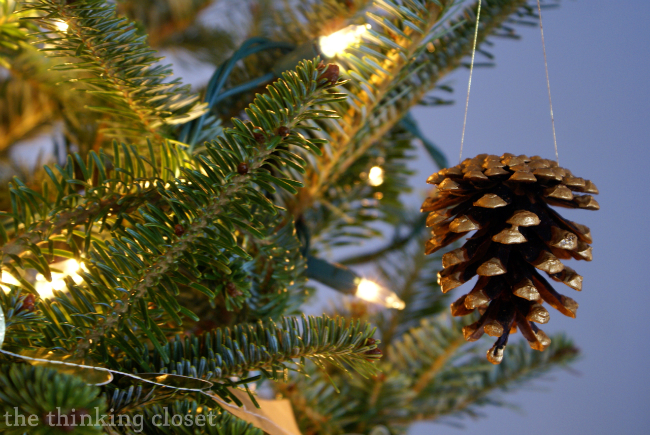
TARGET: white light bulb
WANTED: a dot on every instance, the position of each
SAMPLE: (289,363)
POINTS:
(44,289)
(58,284)
(9,279)
(69,267)
(373,292)
(376,176)
(61,25)
(338,42)
(367,290)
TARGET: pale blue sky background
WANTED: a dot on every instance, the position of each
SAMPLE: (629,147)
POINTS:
(599,69)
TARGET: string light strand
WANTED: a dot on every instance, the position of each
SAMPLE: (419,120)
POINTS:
(548,82)
(103,369)
(469,84)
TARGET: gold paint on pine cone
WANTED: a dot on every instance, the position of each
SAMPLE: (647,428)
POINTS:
(454,257)
(492,267)
(523,218)
(476,299)
(463,224)
(523,176)
(509,236)
(570,278)
(563,239)
(490,200)
(525,289)
(519,237)
(543,338)
(538,314)
(493,328)
(495,354)
(548,263)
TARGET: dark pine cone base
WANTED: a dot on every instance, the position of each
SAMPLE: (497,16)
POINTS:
(506,201)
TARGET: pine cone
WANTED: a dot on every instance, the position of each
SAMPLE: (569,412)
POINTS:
(506,201)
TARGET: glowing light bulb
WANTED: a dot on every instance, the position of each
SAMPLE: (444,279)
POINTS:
(45,289)
(8,279)
(61,25)
(69,267)
(376,176)
(338,42)
(373,292)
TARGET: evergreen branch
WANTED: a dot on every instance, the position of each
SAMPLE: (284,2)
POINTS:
(267,286)
(425,376)
(447,54)
(315,18)
(225,186)
(389,54)
(31,225)
(422,351)
(18,316)
(211,421)
(163,19)
(12,31)
(466,386)
(68,220)
(418,356)
(347,211)
(398,242)
(50,393)
(421,75)
(387,98)
(208,202)
(270,347)
(438,364)
(32,94)
(122,66)
(413,277)
(278,273)
(29,109)
(224,353)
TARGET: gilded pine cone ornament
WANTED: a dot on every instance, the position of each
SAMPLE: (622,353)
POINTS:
(506,200)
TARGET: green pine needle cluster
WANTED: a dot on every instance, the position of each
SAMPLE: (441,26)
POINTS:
(121,68)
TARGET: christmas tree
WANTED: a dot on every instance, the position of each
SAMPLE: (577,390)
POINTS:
(156,264)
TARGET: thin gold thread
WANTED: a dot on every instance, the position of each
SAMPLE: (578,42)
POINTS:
(548,82)
(469,83)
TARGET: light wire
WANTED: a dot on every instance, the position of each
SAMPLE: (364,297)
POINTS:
(548,82)
(103,369)
(469,84)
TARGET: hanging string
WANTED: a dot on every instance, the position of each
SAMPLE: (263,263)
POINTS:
(469,84)
(548,82)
